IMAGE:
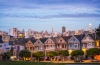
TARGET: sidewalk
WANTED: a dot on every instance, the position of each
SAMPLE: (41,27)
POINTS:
(69,62)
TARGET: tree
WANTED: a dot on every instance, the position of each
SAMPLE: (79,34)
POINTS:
(63,53)
(51,54)
(92,52)
(98,30)
(38,55)
(77,54)
(6,55)
(24,54)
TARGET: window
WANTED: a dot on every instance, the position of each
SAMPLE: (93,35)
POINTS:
(92,43)
(33,48)
(70,45)
(75,46)
(58,45)
(73,39)
(0,45)
(65,46)
(78,45)
(7,48)
(60,40)
(51,46)
(30,48)
(18,48)
(62,46)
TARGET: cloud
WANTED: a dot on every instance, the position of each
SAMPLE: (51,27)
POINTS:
(46,9)
(48,16)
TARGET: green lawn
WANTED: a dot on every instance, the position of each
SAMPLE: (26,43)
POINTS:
(28,63)
(40,63)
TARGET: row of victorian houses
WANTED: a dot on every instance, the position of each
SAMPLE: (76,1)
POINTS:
(70,43)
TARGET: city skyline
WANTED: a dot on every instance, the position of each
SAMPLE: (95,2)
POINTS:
(47,14)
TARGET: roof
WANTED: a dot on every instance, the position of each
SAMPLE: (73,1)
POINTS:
(43,39)
(54,39)
(20,41)
(93,36)
(97,37)
(1,39)
(79,37)
(11,42)
(66,38)
(33,40)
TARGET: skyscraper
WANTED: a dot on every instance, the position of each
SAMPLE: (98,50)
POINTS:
(63,29)
(90,28)
(13,32)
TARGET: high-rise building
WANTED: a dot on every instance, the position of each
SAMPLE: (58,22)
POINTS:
(90,28)
(13,32)
(63,29)
(0,32)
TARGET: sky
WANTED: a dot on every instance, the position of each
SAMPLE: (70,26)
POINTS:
(47,14)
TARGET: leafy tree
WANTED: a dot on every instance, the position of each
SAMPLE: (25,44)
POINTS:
(51,54)
(63,53)
(24,54)
(38,54)
(98,30)
(77,54)
(6,55)
(92,52)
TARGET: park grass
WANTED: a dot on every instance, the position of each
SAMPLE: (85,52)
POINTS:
(38,63)
(28,63)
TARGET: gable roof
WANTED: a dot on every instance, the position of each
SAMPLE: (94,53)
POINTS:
(43,39)
(97,37)
(54,39)
(79,37)
(20,41)
(66,38)
(93,36)
(33,40)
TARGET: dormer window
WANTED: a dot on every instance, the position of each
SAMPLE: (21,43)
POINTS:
(60,40)
(73,39)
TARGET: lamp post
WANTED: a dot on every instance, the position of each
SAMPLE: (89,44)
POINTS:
(45,56)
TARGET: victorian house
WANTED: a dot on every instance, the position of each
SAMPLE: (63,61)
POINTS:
(50,44)
(30,45)
(88,41)
(74,42)
(39,45)
(61,43)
